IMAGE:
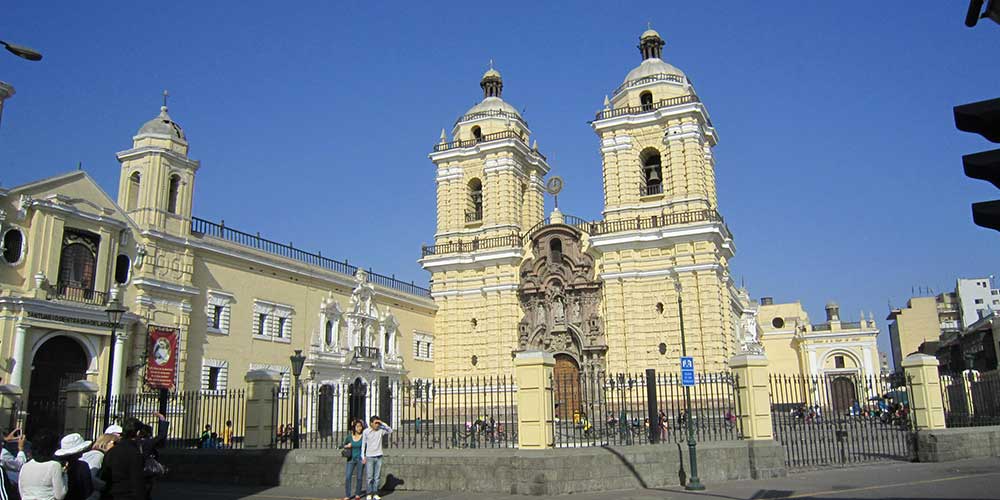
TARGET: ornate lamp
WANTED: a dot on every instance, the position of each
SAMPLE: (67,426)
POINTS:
(298,361)
(115,311)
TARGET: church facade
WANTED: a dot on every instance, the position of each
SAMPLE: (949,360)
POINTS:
(602,296)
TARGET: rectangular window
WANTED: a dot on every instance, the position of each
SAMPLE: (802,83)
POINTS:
(217,311)
(213,378)
(979,301)
(216,317)
(423,346)
(281,328)
(214,375)
(838,361)
(272,321)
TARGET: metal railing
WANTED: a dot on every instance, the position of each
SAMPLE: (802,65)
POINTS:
(506,241)
(470,412)
(73,292)
(492,113)
(473,216)
(660,77)
(496,136)
(599,411)
(202,227)
(646,108)
(569,220)
(198,419)
(971,399)
(639,223)
(837,419)
(366,352)
(650,189)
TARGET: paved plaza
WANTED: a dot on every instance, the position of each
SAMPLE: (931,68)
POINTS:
(970,479)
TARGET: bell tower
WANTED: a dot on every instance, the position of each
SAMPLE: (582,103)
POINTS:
(156,184)
(662,239)
(489,192)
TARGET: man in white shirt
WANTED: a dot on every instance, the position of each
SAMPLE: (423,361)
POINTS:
(371,454)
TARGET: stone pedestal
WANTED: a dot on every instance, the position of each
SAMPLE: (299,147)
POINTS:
(261,388)
(533,371)
(926,407)
(80,399)
(753,395)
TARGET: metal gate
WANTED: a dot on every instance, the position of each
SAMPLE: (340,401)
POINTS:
(841,419)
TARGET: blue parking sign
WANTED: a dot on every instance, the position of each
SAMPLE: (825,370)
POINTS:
(687,371)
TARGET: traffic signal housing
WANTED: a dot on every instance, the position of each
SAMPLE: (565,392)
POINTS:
(982,118)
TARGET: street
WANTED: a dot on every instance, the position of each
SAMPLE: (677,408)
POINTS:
(970,479)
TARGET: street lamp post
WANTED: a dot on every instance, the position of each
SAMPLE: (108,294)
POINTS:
(22,51)
(115,311)
(298,360)
(694,483)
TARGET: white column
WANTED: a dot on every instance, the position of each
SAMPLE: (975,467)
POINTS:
(867,361)
(20,336)
(116,371)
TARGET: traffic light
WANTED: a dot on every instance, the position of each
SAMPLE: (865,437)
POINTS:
(982,118)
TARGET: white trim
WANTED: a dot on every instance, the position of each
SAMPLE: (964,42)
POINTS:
(453,261)
(163,285)
(651,117)
(86,343)
(667,271)
(657,237)
(475,291)
(482,148)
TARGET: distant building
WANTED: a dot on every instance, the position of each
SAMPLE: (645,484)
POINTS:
(977,299)
(883,360)
(6,90)
(794,345)
(973,348)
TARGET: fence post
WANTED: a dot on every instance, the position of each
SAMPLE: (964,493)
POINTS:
(651,406)
(79,398)
(921,372)
(10,405)
(533,370)
(753,395)
(261,385)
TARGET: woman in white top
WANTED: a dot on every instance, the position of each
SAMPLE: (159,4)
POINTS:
(95,459)
(42,477)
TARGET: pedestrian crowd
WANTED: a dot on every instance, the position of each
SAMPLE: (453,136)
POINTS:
(121,464)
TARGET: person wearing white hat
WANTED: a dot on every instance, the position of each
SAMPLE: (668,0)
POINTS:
(114,429)
(79,484)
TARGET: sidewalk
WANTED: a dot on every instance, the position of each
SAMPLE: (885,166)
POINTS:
(971,479)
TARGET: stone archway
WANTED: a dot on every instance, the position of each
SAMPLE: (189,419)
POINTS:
(566,390)
(357,397)
(57,362)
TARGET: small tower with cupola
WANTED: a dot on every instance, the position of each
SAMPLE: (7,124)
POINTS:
(489,191)
(156,184)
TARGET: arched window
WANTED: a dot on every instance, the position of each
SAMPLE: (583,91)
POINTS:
(122,266)
(477,133)
(474,208)
(652,172)
(175,186)
(555,250)
(78,261)
(329,333)
(132,191)
(646,100)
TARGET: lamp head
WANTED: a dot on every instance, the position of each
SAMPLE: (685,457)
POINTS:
(22,51)
(115,312)
(298,361)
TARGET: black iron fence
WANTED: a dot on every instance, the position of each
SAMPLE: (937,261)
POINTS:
(971,399)
(76,292)
(198,419)
(472,412)
(593,410)
(840,419)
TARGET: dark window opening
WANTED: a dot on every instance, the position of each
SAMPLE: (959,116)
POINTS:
(838,361)
(122,267)
(13,244)
(555,250)
(78,260)
(213,378)
(261,324)
(329,332)
(175,186)
(646,100)
(132,195)
(474,209)
(217,317)
(477,133)
(777,322)
(281,327)
(652,172)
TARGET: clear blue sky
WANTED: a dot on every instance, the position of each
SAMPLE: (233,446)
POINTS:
(838,167)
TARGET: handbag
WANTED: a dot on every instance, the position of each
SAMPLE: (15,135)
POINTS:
(346,453)
(153,468)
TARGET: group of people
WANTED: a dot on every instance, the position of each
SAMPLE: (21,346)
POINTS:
(212,439)
(363,451)
(120,464)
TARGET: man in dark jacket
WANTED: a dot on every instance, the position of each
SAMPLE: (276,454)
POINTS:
(122,471)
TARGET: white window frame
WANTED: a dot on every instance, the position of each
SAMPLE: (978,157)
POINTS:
(277,321)
(423,346)
(223,381)
(223,300)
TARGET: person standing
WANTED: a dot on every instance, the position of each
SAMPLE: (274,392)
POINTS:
(95,460)
(353,442)
(79,483)
(42,477)
(123,466)
(371,454)
(11,464)
(227,435)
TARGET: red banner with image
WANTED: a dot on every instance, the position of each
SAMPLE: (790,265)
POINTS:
(161,360)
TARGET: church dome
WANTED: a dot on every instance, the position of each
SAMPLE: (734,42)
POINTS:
(650,33)
(492,104)
(162,125)
(651,48)
(650,67)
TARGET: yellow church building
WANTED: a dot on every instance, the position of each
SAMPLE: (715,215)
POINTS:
(604,296)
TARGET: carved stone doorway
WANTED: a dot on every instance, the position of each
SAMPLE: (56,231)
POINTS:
(567,386)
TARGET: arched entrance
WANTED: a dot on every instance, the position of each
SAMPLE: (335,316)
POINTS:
(325,410)
(357,393)
(57,362)
(843,393)
(567,386)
